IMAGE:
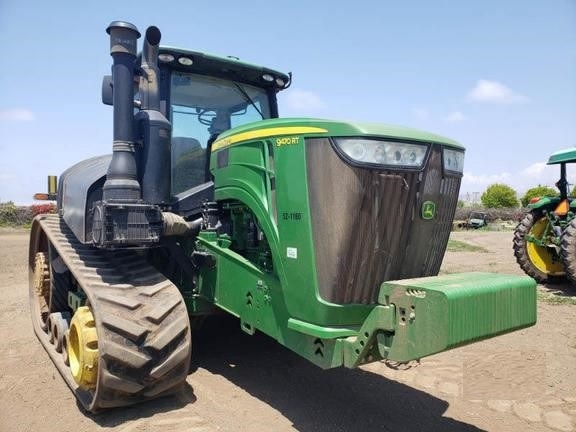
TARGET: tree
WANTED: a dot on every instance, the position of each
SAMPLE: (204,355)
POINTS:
(499,195)
(538,191)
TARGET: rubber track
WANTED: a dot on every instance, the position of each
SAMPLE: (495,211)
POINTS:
(142,323)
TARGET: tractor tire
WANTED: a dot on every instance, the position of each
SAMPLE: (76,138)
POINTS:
(539,262)
(568,251)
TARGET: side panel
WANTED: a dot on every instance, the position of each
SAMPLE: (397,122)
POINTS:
(77,190)
(269,177)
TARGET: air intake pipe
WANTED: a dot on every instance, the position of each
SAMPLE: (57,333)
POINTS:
(154,128)
(122,176)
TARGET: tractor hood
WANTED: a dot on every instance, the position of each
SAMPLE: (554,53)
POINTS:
(314,127)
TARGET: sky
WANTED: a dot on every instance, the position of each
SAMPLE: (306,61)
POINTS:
(498,76)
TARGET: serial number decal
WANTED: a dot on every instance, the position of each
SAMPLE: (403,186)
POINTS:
(287,141)
(291,216)
(292,252)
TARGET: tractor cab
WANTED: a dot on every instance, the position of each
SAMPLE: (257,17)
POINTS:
(206,95)
(202,95)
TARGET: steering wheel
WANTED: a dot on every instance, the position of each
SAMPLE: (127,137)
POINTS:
(205,116)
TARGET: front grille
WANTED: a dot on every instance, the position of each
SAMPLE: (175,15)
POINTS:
(366,223)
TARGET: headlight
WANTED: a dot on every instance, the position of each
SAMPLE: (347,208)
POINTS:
(376,152)
(453,160)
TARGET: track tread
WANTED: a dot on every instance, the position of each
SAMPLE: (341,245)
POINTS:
(126,327)
(161,311)
(126,355)
(128,303)
(170,363)
(141,320)
(170,332)
(150,291)
(122,384)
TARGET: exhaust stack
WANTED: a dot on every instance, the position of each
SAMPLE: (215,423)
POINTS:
(153,126)
(122,176)
(122,219)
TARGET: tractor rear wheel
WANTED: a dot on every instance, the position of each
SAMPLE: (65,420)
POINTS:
(568,251)
(534,251)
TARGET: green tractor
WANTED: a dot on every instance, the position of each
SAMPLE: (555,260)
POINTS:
(325,235)
(545,239)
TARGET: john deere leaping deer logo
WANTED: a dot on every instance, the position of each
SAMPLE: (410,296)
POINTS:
(428,210)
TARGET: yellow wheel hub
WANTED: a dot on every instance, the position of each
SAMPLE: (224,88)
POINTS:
(41,275)
(542,257)
(83,348)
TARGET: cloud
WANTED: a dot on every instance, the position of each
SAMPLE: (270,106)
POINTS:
(541,174)
(537,169)
(481,181)
(455,117)
(16,115)
(303,101)
(533,175)
(486,91)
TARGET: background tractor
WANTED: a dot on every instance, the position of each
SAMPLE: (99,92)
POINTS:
(325,235)
(545,239)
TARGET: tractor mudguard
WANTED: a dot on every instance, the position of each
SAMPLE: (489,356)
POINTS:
(544,202)
(423,316)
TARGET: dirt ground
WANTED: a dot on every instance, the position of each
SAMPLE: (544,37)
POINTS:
(524,381)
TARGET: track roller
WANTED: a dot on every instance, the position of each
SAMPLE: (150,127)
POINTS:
(57,323)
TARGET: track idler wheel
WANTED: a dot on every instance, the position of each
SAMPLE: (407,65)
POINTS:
(82,346)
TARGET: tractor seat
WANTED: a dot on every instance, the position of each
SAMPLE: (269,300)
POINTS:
(188,164)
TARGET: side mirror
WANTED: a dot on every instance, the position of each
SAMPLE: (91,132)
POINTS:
(107,90)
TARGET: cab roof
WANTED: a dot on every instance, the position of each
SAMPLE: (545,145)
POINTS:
(223,67)
(563,156)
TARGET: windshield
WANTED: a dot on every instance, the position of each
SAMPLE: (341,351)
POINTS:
(201,107)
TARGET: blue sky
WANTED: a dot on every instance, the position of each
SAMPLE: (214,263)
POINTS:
(497,76)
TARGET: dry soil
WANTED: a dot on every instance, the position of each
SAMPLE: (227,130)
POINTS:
(523,381)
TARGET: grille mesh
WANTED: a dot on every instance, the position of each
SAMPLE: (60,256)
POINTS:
(366,223)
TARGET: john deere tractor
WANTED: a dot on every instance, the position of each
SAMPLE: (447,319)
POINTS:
(545,239)
(325,235)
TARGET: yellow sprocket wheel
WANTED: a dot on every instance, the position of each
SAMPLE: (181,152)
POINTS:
(83,348)
(41,283)
(41,275)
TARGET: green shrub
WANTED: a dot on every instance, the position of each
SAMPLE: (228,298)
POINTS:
(499,195)
(13,215)
(538,191)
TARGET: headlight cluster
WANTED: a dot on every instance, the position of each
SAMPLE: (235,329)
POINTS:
(377,152)
(453,160)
